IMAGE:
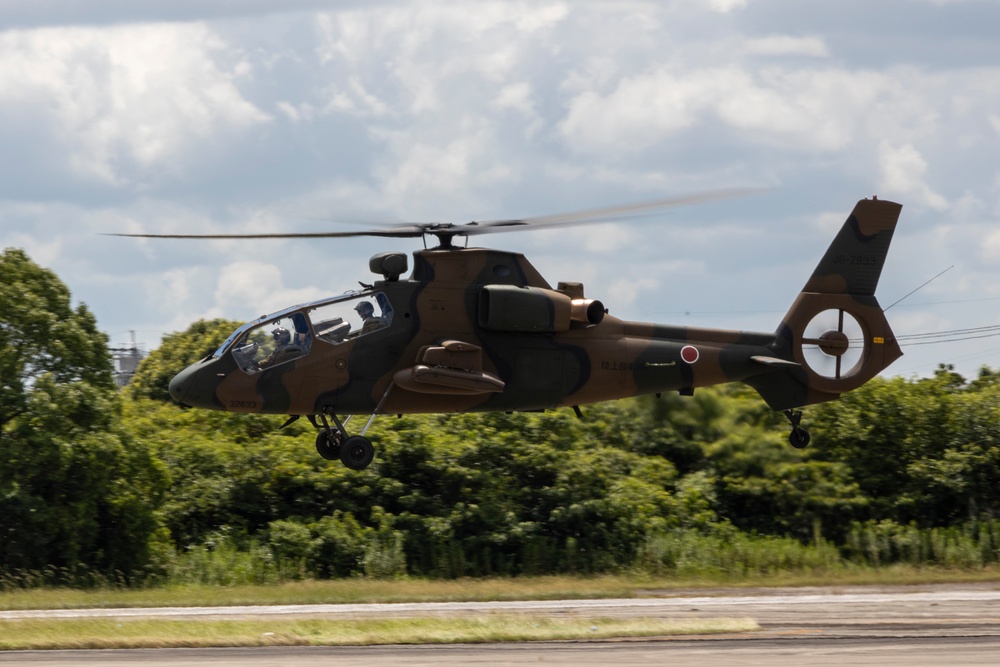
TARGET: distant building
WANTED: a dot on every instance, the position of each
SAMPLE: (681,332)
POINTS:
(126,361)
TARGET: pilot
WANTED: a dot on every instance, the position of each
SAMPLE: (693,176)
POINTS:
(281,340)
(369,322)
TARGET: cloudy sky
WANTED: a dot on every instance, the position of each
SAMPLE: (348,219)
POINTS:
(231,116)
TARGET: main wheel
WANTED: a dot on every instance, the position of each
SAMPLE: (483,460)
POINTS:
(799,438)
(357,452)
(328,445)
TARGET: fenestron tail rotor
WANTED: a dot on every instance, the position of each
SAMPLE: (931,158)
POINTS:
(833,344)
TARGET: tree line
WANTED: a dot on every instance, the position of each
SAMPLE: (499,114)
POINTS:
(100,485)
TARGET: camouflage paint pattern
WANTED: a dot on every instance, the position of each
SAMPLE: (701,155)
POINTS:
(481,330)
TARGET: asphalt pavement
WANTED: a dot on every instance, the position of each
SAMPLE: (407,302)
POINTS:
(912,626)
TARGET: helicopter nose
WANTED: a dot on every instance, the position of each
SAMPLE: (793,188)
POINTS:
(181,385)
(194,387)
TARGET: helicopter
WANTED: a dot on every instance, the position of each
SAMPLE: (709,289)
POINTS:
(478,330)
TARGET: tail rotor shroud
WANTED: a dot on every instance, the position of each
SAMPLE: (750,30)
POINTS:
(834,344)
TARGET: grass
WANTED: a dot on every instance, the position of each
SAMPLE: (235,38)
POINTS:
(456,590)
(124,633)
(161,633)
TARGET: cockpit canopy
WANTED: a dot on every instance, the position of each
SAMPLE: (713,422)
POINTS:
(281,337)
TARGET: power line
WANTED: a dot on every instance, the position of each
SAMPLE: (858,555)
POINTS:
(950,336)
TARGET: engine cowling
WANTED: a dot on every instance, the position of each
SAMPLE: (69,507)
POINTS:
(514,309)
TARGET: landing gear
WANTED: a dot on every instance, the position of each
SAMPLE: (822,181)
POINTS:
(354,451)
(332,442)
(799,437)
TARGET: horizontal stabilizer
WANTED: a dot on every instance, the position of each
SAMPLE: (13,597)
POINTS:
(774,362)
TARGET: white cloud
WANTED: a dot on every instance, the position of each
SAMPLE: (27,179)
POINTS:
(785,45)
(422,176)
(517,96)
(990,249)
(624,293)
(723,6)
(995,122)
(355,99)
(257,287)
(813,109)
(122,97)
(607,238)
(177,289)
(903,171)
(796,108)
(428,47)
(431,110)
(297,113)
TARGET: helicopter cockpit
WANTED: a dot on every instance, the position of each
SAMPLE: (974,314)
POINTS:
(281,337)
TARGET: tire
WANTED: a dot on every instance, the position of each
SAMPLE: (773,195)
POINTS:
(327,445)
(357,452)
(799,438)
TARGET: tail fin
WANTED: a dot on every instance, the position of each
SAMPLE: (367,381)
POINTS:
(835,331)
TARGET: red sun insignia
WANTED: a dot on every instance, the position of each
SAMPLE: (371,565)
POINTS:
(690,354)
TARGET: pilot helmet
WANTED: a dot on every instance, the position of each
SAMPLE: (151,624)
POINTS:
(281,336)
(365,309)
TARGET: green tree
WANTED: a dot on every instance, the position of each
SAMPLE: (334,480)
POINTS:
(766,486)
(77,495)
(961,480)
(76,492)
(41,333)
(893,434)
(238,473)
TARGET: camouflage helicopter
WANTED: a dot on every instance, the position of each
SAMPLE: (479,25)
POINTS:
(475,329)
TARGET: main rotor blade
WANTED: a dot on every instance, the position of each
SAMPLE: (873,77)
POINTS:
(402,231)
(604,214)
(445,231)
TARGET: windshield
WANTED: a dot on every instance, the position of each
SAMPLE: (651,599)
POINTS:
(273,342)
(229,341)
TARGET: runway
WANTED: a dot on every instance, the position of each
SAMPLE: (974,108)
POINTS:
(906,626)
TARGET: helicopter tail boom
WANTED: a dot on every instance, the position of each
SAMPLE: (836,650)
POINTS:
(835,336)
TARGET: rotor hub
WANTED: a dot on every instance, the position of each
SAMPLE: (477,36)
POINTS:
(834,343)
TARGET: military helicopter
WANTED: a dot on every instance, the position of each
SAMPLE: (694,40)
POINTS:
(474,329)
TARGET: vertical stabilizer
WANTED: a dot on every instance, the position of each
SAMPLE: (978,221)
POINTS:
(836,331)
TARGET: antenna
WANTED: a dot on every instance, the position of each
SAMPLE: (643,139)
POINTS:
(919,288)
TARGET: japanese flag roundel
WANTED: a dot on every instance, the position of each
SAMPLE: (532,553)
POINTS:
(690,354)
